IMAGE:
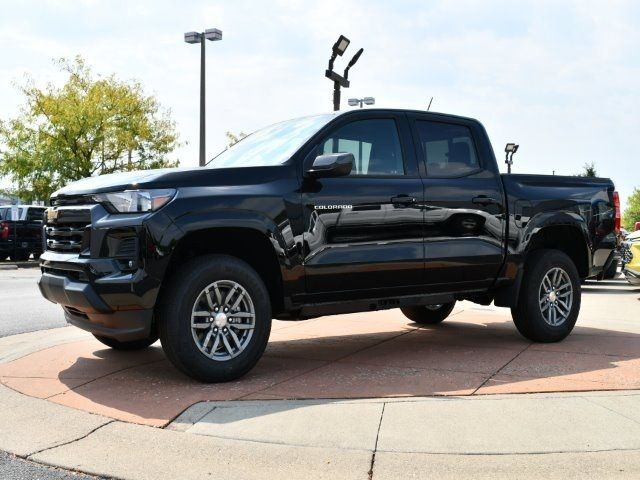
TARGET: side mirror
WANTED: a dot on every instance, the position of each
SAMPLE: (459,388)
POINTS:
(331,165)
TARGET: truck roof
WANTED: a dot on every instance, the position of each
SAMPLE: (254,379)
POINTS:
(403,110)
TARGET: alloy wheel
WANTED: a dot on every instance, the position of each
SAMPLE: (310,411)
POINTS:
(555,296)
(223,320)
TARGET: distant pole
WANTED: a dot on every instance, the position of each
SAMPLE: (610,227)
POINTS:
(202,103)
(212,34)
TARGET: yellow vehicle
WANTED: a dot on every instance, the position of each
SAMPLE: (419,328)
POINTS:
(631,258)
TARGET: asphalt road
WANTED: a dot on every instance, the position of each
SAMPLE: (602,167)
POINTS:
(13,468)
(22,308)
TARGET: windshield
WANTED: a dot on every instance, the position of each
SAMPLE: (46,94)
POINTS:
(272,145)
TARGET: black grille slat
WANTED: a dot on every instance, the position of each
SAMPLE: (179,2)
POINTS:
(67,231)
(127,247)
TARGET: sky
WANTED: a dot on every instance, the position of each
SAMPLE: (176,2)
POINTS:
(561,78)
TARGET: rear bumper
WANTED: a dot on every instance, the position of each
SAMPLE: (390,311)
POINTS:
(85,308)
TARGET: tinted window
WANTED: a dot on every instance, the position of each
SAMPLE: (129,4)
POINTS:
(448,149)
(35,214)
(375,146)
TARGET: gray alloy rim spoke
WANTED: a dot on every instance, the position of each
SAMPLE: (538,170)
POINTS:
(214,347)
(227,346)
(555,296)
(209,300)
(214,320)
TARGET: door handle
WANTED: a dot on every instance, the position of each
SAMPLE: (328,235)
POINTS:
(403,199)
(484,200)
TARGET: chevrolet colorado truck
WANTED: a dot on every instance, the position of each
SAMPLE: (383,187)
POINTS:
(20,231)
(334,213)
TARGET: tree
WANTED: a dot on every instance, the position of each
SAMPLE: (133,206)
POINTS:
(632,212)
(588,170)
(89,126)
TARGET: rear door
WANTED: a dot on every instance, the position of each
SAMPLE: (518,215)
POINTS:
(464,210)
(364,231)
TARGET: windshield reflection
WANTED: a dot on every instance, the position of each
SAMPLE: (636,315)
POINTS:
(272,145)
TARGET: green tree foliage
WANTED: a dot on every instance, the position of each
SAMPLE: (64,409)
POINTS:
(588,170)
(89,126)
(632,212)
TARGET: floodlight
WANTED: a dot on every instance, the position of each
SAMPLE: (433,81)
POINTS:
(369,100)
(353,102)
(213,34)
(511,148)
(192,37)
(341,45)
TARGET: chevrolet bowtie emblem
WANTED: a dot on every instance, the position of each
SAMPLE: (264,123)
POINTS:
(52,213)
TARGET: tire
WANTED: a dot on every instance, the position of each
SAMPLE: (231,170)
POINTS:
(127,346)
(536,316)
(611,271)
(428,314)
(212,347)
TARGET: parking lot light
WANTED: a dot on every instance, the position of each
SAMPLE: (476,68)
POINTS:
(361,101)
(212,34)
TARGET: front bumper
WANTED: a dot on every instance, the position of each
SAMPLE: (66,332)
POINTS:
(104,270)
(85,308)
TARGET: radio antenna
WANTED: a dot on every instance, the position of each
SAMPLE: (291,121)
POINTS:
(429,107)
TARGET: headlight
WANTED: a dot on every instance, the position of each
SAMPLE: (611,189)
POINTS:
(135,201)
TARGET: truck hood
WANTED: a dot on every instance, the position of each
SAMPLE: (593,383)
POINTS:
(172,178)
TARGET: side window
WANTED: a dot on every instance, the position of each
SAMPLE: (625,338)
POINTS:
(448,149)
(375,146)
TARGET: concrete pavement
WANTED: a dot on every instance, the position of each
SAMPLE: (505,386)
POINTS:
(254,428)
(482,437)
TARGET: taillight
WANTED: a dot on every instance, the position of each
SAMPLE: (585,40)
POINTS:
(4,231)
(616,205)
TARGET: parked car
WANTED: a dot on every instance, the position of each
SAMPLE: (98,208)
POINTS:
(21,231)
(354,211)
(631,258)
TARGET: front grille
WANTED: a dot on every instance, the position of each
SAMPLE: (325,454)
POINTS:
(68,231)
(64,239)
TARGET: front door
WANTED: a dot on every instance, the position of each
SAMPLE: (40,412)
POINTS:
(463,205)
(364,231)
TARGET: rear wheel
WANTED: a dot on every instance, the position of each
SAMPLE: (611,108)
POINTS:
(132,345)
(428,314)
(215,319)
(549,299)
(611,271)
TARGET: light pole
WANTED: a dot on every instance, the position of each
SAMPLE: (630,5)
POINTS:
(359,101)
(212,34)
(340,80)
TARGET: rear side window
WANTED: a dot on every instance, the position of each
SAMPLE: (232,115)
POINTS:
(35,214)
(448,150)
(374,143)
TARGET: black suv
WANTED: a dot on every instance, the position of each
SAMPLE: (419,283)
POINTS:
(355,211)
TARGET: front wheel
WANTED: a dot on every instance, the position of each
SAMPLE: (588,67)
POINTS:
(428,314)
(215,318)
(549,299)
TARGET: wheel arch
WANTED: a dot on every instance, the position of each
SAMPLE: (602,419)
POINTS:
(252,243)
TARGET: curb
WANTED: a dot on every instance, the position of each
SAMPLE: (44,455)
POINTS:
(17,265)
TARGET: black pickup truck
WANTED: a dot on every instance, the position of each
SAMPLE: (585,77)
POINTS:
(353,211)
(20,231)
